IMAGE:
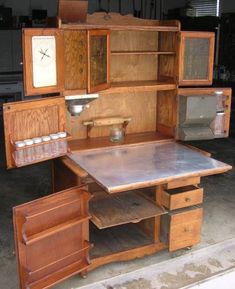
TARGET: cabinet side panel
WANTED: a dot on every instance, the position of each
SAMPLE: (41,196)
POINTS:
(167,112)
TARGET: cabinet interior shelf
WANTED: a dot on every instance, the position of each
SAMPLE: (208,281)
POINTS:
(117,239)
(29,240)
(143,53)
(129,207)
(135,86)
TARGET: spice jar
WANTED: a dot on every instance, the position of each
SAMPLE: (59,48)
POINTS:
(54,144)
(38,151)
(29,151)
(19,154)
(46,146)
(116,134)
(63,142)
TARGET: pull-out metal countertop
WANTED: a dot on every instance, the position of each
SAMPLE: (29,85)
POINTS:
(126,168)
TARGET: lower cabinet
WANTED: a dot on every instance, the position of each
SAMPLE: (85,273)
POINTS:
(181,227)
(53,234)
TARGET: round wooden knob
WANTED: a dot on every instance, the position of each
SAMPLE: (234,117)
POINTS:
(187,200)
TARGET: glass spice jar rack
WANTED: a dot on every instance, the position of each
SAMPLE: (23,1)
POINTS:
(39,152)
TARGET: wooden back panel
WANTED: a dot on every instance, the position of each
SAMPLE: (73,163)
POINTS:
(28,119)
(168,64)
(141,107)
(43,229)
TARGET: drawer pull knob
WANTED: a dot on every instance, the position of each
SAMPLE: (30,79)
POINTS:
(187,200)
(186,230)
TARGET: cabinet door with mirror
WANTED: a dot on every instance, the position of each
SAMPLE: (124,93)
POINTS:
(196,58)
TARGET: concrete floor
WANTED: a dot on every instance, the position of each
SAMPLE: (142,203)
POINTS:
(25,184)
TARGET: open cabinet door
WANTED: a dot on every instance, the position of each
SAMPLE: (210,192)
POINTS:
(43,61)
(33,119)
(196,58)
(98,60)
(52,238)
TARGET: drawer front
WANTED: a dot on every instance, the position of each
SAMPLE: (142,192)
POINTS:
(183,182)
(185,229)
(182,197)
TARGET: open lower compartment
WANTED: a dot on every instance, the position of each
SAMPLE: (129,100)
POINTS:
(117,239)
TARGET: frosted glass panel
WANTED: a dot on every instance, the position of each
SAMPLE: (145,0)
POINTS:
(196,58)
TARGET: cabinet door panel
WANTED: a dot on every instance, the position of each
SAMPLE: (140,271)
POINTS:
(29,119)
(98,60)
(51,237)
(196,58)
(43,60)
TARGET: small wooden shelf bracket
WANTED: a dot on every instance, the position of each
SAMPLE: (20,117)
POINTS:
(124,121)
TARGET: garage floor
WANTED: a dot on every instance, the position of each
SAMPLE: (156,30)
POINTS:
(25,184)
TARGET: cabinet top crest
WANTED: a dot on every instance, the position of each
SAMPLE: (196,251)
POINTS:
(116,21)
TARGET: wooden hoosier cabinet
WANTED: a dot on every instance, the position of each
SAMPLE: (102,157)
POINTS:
(112,201)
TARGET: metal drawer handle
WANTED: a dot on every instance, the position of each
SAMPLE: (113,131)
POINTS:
(187,200)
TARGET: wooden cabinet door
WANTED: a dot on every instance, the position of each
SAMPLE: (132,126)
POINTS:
(98,60)
(196,58)
(52,238)
(29,119)
(43,61)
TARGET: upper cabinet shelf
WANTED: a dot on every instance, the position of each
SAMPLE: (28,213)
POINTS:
(138,86)
(143,53)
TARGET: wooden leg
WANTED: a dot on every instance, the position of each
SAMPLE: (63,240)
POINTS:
(83,274)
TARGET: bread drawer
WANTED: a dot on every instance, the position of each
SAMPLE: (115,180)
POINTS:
(181,229)
(182,197)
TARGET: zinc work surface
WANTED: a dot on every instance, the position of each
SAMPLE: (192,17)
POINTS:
(139,166)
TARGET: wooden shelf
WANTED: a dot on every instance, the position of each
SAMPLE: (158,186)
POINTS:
(143,53)
(130,207)
(117,239)
(54,230)
(138,86)
(131,139)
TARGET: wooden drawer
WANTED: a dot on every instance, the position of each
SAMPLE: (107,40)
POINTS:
(182,197)
(182,228)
